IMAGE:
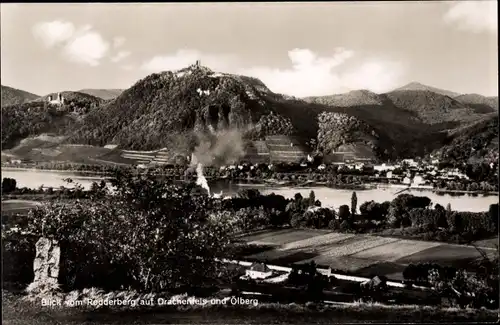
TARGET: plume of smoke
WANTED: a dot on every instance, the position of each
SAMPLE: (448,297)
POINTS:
(215,149)
(201,180)
(219,148)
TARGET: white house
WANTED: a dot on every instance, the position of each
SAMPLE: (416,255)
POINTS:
(383,167)
(407,180)
(389,174)
(410,162)
(259,271)
(418,180)
(321,167)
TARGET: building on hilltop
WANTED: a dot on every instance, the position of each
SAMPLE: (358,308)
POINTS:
(58,101)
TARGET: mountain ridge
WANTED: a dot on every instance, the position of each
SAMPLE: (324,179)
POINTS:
(173,109)
(414,85)
(13,96)
(105,94)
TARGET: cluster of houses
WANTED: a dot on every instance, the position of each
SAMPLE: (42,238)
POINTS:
(408,172)
(412,173)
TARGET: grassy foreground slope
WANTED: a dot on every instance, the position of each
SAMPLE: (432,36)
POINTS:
(19,312)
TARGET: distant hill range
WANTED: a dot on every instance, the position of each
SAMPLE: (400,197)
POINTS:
(479,103)
(13,96)
(170,110)
(421,87)
(105,94)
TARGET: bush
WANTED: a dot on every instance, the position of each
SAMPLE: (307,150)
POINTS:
(18,254)
(345,226)
(162,235)
(334,224)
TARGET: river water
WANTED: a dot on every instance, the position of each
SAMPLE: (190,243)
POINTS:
(329,197)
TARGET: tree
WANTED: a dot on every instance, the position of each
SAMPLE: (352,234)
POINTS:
(448,208)
(162,234)
(312,198)
(249,194)
(354,203)
(439,207)
(493,213)
(344,213)
(8,185)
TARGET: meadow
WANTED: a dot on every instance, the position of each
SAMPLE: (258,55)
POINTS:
(359,254)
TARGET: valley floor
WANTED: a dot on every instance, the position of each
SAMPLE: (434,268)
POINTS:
(359,254)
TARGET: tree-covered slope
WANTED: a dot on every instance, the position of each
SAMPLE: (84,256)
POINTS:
(13,96)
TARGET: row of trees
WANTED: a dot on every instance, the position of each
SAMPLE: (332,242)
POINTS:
(404,212)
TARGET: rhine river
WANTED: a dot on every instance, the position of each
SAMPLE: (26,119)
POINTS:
(329,197)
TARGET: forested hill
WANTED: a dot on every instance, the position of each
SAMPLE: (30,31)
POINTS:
(13,96)
(39,116)
(473,143)
(172,108)
(164,109)
(481,104)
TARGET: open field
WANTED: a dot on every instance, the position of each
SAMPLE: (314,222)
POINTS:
(282,237)
(17,206)
(458,256)
(46,148)
(364,255)
(492,242)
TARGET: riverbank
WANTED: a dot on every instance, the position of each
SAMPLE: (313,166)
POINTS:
(246,181)
(34,169)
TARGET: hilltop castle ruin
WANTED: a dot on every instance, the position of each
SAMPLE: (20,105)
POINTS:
(58,101)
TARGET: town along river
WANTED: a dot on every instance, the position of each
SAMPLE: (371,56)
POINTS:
(329,197)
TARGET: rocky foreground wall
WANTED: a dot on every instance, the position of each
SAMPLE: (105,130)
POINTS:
(46,266)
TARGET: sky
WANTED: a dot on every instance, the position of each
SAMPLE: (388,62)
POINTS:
(298,49)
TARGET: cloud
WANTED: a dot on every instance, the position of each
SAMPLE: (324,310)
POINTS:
(120,56)
(309,75)
(127,67)
(376,75)
(86,46)
(82,44)
(312,75)
(53,33)
(185,57)
(473,16)
(118,41)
